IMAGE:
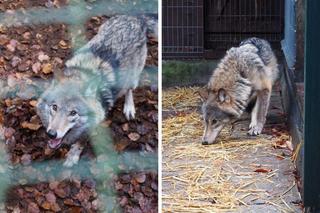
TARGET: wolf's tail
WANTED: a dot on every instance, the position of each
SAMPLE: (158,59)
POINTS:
(266,54)
(151,22)
(264,49)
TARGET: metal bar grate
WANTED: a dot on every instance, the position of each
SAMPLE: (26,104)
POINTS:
(182,29)
(204,28)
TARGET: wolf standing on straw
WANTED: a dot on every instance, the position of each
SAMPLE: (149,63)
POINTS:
(245,75)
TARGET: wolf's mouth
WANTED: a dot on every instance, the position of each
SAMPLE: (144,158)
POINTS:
(55,143)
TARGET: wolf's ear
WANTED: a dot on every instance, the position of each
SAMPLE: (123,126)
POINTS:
(203,93)
(223,97)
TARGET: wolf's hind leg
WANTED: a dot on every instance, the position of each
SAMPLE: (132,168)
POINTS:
(73,155)
(259,113)
(128,109)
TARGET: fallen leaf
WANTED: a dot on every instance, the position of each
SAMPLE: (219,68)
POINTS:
(8,132)
(47,68)
(26,159)
(69,202)
(16,210)
(42,57)
(262,170)
(55,207)
(75,210)
(33,208)
(53,185)
(123,201)
(122,144)
(134,136)
(26,35)
(125,127)
(23,67)
(63,44)
(60,192)
(15,61)
(3,39)
(33,103)
(51,198)
(46,205)
(280,157)
(12,45)
(140,178)
(48,151)
(36,67)
(8,102)
(32,126)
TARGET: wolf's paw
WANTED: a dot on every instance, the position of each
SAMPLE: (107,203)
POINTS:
(69,162)
(129,111)
(255,129)
(73,156)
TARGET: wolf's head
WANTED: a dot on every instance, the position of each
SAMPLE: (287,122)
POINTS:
(217,110)
(67,110)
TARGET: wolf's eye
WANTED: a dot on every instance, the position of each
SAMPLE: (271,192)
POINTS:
(54,107)
(214,121)
(73,113)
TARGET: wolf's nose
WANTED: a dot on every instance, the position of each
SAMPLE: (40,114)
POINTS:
(52,134)
(205,143)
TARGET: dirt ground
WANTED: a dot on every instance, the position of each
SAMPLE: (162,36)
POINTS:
(237,174)
(37,52)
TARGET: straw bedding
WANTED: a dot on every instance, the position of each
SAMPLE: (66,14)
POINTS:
(228,176)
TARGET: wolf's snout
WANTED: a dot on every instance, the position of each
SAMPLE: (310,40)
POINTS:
(210,134)
(205,142)
(205,139)
(52,133)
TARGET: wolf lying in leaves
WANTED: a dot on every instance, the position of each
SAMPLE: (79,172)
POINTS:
(106,68)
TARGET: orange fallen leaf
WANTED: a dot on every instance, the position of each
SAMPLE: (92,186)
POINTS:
(47,68)
(46,205)
(33,103)
(63,44)
(262,170)
(32,126)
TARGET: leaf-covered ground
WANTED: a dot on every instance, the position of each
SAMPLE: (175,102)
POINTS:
(37,51)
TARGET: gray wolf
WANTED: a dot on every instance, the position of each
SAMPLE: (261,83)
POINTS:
(106,68)
(246,74)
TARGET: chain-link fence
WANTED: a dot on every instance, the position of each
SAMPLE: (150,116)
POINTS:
(109,162)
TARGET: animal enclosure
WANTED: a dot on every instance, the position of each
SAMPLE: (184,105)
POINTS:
(36,39)
(196,29)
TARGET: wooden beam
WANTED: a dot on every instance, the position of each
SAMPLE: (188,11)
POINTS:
(312,107)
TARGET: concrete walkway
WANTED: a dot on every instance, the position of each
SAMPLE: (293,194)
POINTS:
(238,174)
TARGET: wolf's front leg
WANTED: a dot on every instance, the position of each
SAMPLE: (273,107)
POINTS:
(128,109)
(73,155)
(259,113)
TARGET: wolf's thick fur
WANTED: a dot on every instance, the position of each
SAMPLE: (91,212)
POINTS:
(107,67)
(246,72)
